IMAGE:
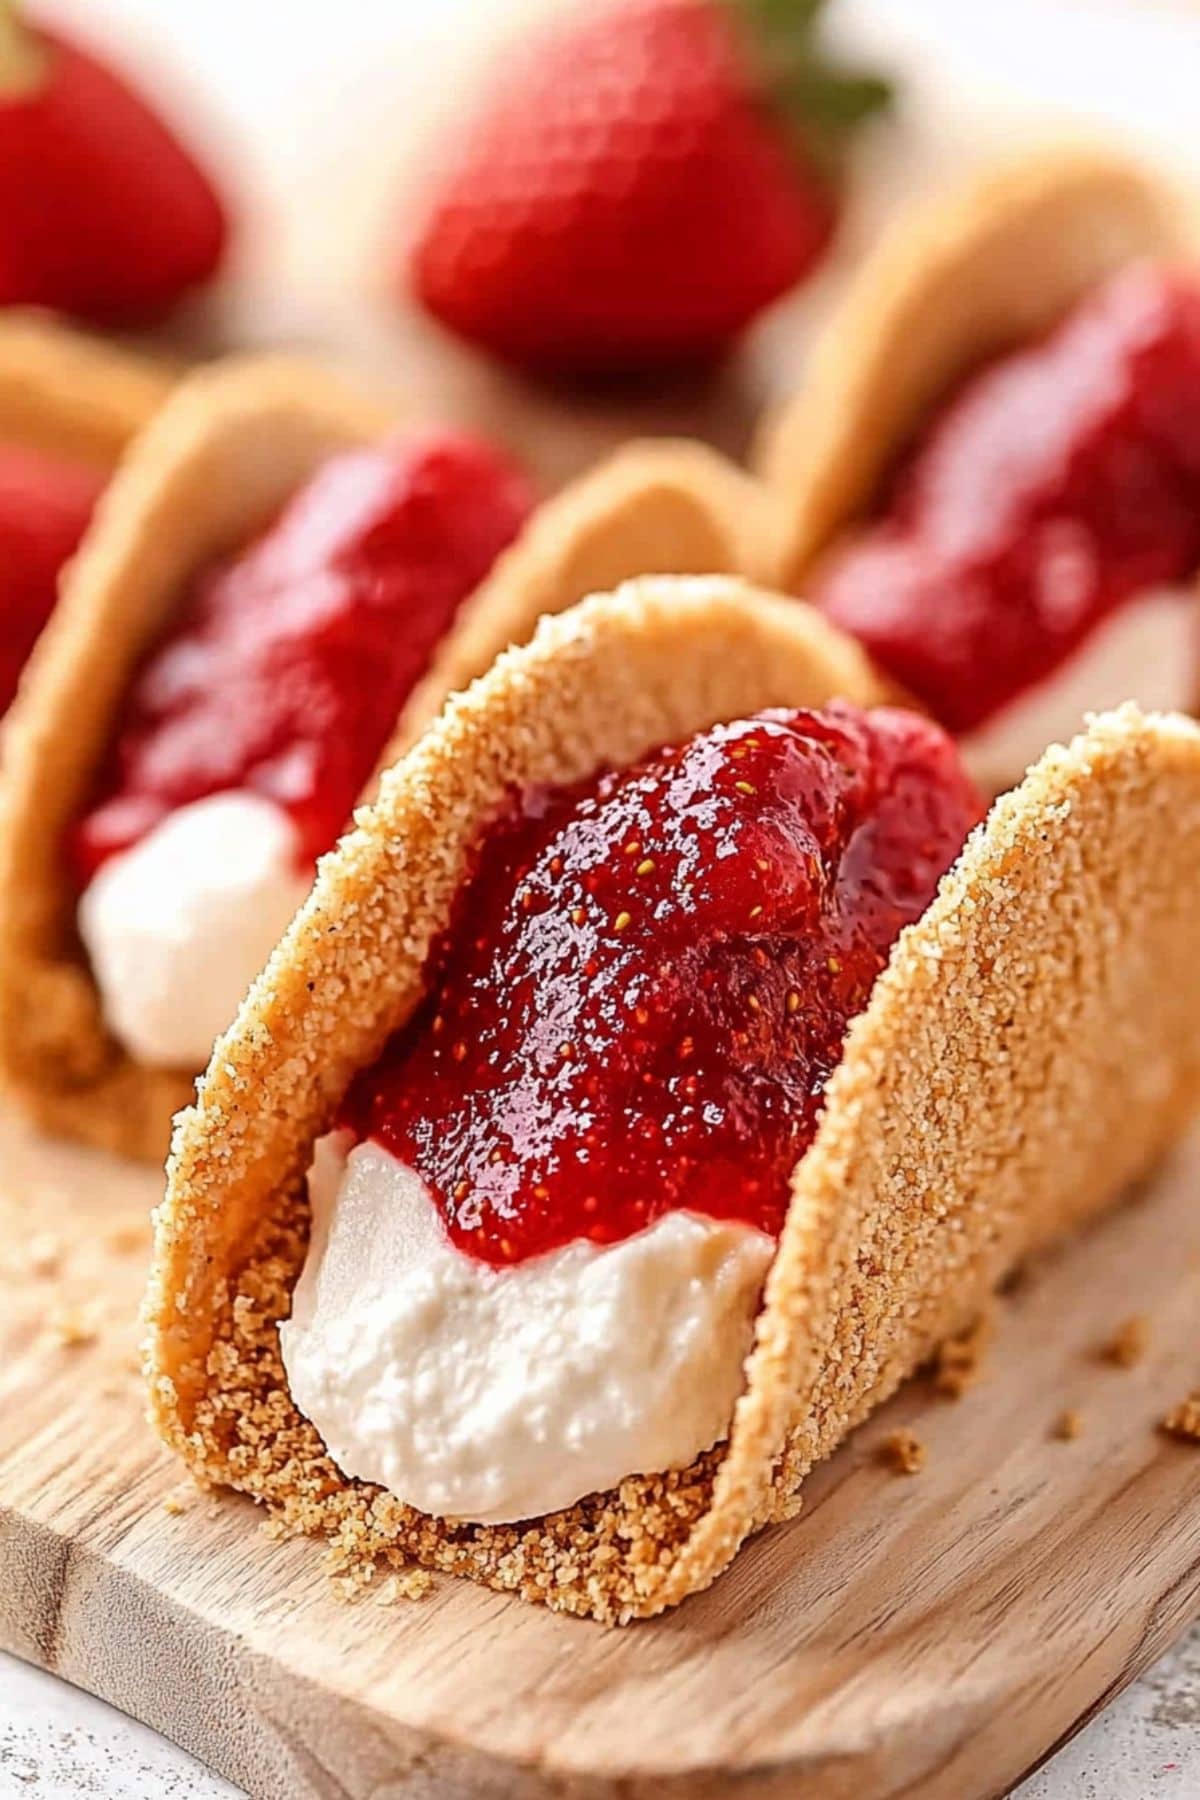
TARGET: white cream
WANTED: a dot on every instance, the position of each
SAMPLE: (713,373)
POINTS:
(498,1394)
(1148,651)
(178,926)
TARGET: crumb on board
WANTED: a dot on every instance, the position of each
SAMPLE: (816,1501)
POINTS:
(1128,1343)
(401,1584)
(44,1254)
(40,1257)
(175,1504)
(129,1234)
(71,1327)
(1018,1279)
(411,1584)
(1183,1421)
(1068,1425)
(958,1364)
(903,1452)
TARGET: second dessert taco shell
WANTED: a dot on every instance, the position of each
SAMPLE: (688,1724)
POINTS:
(1052,988)
(218,461)
(956,280)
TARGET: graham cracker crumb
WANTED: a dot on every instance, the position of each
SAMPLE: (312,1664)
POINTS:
(174,1505)
(129,1234)
(1129,1342)
(903,1452)
(412,1584)
(44,1254)
(1069,1425)
(959,1361)
(1183,1421)
(71,1327)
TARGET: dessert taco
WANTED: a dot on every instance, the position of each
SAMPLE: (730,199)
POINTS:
(268,600)
(991,474)
(68,406)
(628,1110)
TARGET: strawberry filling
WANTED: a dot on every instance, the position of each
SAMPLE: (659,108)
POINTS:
(1060,483)
(45,504)
(287,666)
(648,978)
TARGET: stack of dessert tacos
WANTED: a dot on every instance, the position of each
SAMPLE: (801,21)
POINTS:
(213,468)
(1052,985)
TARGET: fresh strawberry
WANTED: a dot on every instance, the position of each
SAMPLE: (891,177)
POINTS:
(103,213)
(644,178)
(45,504)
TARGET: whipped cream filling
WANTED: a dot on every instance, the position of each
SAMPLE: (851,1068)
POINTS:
(1148,651)
(177,927)
(497,1394)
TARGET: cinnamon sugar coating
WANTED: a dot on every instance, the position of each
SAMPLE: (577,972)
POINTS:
(956,280)
(1053,985)
(234,441)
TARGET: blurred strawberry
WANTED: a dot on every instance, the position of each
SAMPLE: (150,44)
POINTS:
(643,178)
(103,213)
(45,505)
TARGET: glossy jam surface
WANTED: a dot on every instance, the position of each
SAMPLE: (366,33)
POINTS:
(287,666)
(1061,481)
(45,504)
(648,979)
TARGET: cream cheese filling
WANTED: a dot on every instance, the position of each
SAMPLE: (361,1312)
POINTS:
(178,926)
(498,1394)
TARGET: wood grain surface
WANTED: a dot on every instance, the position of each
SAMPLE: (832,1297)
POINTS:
(932,1635)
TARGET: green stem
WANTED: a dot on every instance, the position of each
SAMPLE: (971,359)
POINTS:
(812,95)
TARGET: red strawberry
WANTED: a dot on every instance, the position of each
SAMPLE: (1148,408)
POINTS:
(45,504)
(103,213)
(643,179)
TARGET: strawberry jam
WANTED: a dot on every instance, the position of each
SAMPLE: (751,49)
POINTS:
(649,977)
(1062,481)
(45,504)
(288,665)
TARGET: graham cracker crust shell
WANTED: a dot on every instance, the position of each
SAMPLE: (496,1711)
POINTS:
(1052,988)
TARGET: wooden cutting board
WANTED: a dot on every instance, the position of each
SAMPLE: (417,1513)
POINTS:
(931,1636)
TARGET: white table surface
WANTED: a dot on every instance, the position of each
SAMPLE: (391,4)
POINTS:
(273,76)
